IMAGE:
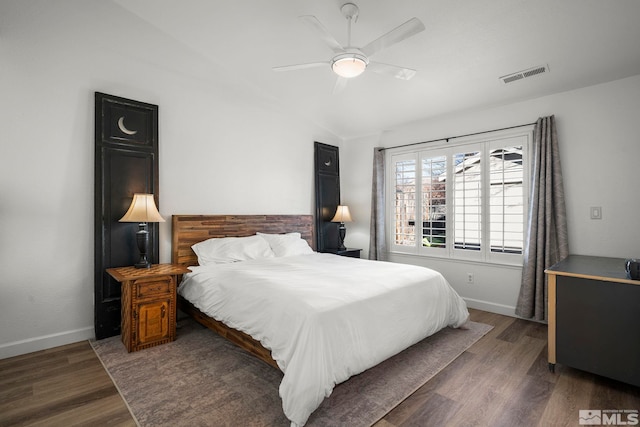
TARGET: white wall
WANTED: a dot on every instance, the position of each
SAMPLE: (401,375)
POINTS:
(223,149)
(599,148)
(241,153)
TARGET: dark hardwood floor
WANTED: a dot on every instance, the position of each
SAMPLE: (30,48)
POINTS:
(63,386)
(502,380)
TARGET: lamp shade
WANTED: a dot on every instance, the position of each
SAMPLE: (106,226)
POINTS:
(342,214)
(142,209)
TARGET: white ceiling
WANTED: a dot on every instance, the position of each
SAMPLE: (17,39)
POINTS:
(466,47)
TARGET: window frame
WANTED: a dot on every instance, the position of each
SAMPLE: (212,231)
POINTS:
(484,143)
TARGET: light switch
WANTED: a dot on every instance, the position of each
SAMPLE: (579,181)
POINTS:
(596,212)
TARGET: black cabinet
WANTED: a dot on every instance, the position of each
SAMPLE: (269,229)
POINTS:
(594,313)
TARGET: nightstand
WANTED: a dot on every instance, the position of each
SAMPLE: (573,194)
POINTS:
(350,252)
(148,314)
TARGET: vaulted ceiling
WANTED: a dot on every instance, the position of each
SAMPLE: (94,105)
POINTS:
(466,47)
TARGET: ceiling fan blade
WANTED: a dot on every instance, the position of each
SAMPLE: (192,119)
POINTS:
(300,66)
(323,33)
(339,86)
(392,70)
(410,28)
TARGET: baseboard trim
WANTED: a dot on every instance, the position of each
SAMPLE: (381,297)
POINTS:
(18,348)
(491,307)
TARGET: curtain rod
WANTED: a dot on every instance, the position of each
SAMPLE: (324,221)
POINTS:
(453,137)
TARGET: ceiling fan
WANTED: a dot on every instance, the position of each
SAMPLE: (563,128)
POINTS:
(351,61)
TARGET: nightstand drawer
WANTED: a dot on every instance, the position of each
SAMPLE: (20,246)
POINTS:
(153,287)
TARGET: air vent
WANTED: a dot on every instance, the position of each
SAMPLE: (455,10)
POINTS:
(525,74)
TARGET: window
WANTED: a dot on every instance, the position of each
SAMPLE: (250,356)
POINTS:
(467,197)
(506,200)
(434,202)
(405,202)
(462,200)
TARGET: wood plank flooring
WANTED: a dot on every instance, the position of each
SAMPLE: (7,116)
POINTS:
(63,386)
(502,380)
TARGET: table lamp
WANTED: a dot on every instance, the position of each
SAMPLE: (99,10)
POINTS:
(142,210)
(342,215)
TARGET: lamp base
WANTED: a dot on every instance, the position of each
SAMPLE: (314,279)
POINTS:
(143,263)
(142,238)
(342,232)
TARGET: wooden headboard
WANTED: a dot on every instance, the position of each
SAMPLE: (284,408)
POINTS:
(188,230)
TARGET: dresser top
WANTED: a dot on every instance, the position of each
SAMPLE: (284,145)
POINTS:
(592,267)
(122,274)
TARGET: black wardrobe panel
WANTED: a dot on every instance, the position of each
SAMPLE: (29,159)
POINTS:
(128,172)
(327,182)
(126,162)
(329,195)
(126,122)
(326,158)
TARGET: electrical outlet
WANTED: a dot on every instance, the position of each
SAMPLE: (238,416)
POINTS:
(596,212)
(470,278)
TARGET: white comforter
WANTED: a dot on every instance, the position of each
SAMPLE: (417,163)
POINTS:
(325,317)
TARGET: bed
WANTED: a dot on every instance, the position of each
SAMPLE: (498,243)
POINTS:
(319,318)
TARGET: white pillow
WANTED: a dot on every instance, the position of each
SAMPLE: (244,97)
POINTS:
(288,244)
(231,249)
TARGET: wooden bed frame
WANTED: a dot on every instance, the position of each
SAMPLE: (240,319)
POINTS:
(190,229)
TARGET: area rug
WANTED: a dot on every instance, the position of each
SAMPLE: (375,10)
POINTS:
(203,380)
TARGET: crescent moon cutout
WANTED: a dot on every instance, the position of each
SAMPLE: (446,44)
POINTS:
(124,129)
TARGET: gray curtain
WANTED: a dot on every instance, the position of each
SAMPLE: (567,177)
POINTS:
(546,240)
(377,239)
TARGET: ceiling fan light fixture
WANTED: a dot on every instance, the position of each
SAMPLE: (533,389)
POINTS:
(349,65)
